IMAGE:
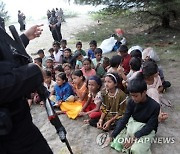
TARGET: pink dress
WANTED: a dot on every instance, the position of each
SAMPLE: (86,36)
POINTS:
(89,73)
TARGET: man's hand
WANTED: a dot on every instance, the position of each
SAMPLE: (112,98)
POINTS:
(34,31)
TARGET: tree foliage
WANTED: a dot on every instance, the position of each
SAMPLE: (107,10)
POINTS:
(164,10)
(3,12)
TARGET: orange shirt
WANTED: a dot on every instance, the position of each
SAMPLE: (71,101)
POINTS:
(81,91)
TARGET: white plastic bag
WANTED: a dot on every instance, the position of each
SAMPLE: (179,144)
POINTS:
(149,52)
(108,44)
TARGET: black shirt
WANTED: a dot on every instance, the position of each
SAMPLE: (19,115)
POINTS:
(146,112)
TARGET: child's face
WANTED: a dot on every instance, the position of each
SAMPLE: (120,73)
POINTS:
(109,83)
(76,79)
(49,63)
(87,65)
(63,45)
(123,54)
(150,79)
(47,79)
(92,86)
(38,63)
(66,53)
(80,57)
(98,56)
(56,47)
(138,97)
(79,47)
(67,70)
(93,47)
(59,81)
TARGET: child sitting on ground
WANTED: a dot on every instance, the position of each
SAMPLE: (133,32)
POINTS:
(135,66)
(102,68)
(79,48)
(93,46)
(98,60)
(63,45)
(154,84)
(51,52)
(38,61)
(48,82)
(139,123)
(72,108)
(57,53)
(50,67)
(115,61)
(68,58)
(58,69)
(86,69)
(80,88)
(79,60)
(92,106)
(123,52)
(113,105)
(68,71)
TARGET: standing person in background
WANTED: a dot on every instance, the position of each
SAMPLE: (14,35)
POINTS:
(55,26)
(48,14)
(21,20)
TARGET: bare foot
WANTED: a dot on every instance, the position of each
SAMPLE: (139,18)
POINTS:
(162,116)
(86,121)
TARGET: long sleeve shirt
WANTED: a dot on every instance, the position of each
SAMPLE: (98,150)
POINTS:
(63,92)
(145,112)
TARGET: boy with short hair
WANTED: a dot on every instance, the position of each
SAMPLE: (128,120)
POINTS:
(38,61)
(79,60)
(102,68)
(98,60)
(93,46)
(68,58)
(123,52)
(42,56)
(57,53)
(79,48)
(141,119)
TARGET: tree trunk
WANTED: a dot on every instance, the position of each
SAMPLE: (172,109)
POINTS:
(166,20)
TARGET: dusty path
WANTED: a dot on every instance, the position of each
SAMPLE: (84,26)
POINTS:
(82,137)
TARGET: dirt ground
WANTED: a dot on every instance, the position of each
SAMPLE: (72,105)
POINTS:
(82,138)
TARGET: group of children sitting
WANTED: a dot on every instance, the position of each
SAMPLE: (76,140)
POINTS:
(88,84)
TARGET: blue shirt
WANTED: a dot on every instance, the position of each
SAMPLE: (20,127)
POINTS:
(91,54)
(63,92)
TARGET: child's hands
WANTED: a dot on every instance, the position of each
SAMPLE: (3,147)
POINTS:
(59,102)
(120,69)
(99,124)
(106,125)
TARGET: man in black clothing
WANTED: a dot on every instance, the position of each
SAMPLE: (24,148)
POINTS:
(18,135)
(55,26)
(21,20)
(141,117)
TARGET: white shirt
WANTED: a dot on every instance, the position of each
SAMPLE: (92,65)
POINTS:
(51,87)
(57,56)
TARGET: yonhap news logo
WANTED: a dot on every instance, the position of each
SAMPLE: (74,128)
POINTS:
(155,140)
(101,138)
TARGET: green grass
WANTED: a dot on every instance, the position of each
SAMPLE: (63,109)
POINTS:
(165,41)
